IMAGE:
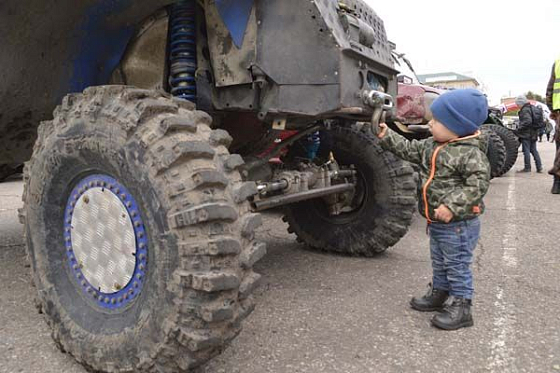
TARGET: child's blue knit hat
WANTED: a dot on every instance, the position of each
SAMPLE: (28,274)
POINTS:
(462,111)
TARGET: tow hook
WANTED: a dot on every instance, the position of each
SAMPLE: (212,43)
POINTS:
(380,103)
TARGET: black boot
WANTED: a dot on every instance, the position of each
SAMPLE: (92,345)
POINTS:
(456,314)
(524,170)
(556,186)
(432,301)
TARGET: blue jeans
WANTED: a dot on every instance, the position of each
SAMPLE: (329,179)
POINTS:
(530,147)
(451,247)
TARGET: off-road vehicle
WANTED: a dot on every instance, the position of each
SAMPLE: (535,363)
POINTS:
(165,128)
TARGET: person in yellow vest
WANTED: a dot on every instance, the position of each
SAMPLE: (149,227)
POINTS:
(553,103)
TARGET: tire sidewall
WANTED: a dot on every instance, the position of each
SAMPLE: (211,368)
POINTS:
(66,159)
(366,225)
(511,143)
(496,152)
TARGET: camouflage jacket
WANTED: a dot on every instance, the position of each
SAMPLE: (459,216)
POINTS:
(459,178)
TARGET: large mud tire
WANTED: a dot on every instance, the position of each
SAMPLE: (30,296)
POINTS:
(511,143)
(385,213)
(198,274)
(495,151)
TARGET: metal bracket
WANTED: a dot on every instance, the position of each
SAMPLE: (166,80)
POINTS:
(279,124)
(380,103)
(376,99)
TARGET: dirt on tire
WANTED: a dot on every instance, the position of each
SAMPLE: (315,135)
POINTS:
(194,204)
(384,215)
(511,143)
(495,151)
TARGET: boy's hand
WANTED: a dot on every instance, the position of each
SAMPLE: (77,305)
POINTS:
(443,214)
(382,130)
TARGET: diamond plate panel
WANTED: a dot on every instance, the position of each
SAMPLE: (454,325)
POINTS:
(103,240)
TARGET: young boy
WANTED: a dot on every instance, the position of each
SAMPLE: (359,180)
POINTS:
(455,175)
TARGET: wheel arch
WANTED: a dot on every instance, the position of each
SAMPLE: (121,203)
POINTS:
(55,49)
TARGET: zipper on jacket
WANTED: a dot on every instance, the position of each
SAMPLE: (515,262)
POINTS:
(433,172)
(429,181)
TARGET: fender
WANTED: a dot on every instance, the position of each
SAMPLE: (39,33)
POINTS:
(50,49)
(100,46)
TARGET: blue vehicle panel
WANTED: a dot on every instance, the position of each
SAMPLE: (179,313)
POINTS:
(235,14)
(100,46)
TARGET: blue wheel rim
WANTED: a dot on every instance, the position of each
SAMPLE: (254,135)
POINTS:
(129,291)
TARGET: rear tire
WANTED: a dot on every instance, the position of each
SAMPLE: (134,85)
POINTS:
(511,143)
(158,160)
(495,151)
(383,217)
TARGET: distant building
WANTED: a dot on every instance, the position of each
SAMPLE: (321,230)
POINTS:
(449,80)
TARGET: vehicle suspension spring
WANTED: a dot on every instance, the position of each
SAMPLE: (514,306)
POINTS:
(182,50)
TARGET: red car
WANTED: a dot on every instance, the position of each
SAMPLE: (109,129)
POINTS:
(413,114)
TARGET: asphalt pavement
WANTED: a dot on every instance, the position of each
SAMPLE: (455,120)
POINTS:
(329,313)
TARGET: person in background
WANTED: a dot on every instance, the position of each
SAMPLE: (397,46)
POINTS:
(528,134)
(553,103)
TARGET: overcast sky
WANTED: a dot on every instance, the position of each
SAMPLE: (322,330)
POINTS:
(509,46)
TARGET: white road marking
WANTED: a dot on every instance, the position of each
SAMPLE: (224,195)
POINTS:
(502,357)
